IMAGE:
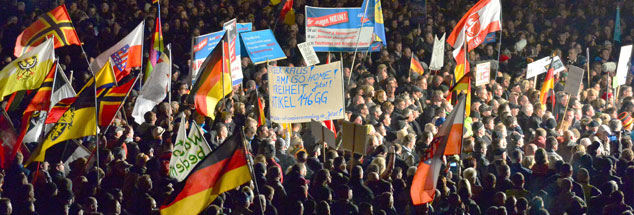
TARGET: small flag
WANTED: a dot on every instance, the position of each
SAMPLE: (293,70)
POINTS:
(261,116)
(111,99)
(288,13)
(125,54)
(156,49)
(153,94)
(415,66)
(438,55)
(547,86)
(617,25)
(28,71)
(186,146)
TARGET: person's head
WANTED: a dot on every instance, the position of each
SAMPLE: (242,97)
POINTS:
(551,144)
(5,206)
(150,117)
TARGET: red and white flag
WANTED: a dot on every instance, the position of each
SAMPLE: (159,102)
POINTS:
(482,19)
(450,133)
(126,54)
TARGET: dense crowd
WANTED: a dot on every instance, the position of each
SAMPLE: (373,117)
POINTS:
(572,155)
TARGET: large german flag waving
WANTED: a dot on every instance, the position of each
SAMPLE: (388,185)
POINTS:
(56,23)
(222,170)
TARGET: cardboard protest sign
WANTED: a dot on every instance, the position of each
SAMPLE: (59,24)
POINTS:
(310,57)
(623,66)
(483,74)
(337,30)
(540,66)
(299,94)
(262,46)
(354,137)
(201,48)
(235,57)
(321,132)
(573,82)
(188,151)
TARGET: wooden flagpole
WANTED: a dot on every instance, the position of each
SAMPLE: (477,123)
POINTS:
(356,45)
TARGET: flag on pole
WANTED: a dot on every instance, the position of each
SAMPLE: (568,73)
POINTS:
(125,55)
(222,170)
(288,13)
(331,126)
(154,93)
(423,188)
(56,23)
(28,71)
(374,12)
(156,49)
(482,19)
(261,115)
(111,99)
(105,76)
(415,66)
(438,54)
(547,86)
(79,120)
(617,25)
(463,86)
(8,140)
(213,83)
(186,145)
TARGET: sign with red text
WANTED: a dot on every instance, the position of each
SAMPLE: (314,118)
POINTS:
(483,74)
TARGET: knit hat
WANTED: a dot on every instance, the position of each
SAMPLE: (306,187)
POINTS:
(626,119)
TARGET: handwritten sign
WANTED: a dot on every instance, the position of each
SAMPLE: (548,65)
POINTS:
(299,94)
(188,151)
(483,73)
(573,82)
(310,57)
(622,67)
(354,137)
(262,46)
(234,51)
(540,66)
(321,132)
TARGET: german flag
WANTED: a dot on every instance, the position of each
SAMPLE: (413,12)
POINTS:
(55,23)
(221,171)
(213,82)
(463,86)
(548,85)
(416,67)
(111,99)
(261,116)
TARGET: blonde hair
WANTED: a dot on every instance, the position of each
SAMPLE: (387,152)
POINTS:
(380,162)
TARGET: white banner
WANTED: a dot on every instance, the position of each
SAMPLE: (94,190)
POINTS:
(299,94)
(483,74)
(538,67)
(622,67)
(438,55)
(234,55)
(310,57)
(188,151)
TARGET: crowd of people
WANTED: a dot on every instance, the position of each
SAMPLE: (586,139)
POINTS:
(572,155)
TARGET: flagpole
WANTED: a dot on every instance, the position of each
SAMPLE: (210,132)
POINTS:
(247,154)
(169,82)
(588,66)
(222,75)
(495,77)
(356,45)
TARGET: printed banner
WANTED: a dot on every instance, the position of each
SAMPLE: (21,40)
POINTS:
(262,46)
(234,51)
(538,67)
(299,94)
(483,74)
(244,27)
(337,30)
(310,57)
(188,151)
(201,48)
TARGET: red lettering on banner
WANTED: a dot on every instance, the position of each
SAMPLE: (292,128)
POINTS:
(328,20)
(200,45)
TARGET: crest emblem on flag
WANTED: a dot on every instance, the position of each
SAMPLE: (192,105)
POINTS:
(120,58)
(473,25)
(25,66)
(65,122)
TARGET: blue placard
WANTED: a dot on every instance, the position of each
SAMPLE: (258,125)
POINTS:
(336,29)
(202,47)
(262,46)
